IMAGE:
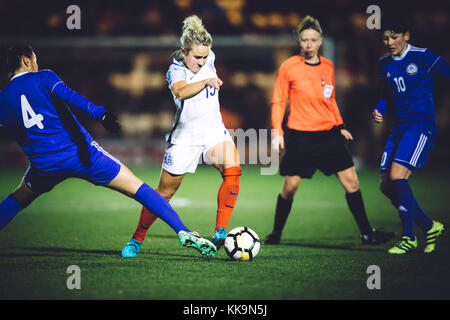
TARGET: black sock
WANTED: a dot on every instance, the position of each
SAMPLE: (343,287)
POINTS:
(356,206)
(281,213)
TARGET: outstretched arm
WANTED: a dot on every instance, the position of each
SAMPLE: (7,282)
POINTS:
(440,67)
(58,88)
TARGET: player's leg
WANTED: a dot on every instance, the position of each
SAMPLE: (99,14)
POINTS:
(412,153)
(299,162)
(107,171)
(33,184)
(410,211)
(284,201)
(283,208)
(387,188)
(398,176)
(168,185)
(336,159)
(225,158)
(15,202)
(127,183)
(178,160)
(349,181)
(398,180)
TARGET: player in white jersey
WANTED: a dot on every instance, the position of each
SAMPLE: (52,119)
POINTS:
(197,120)
(198,131)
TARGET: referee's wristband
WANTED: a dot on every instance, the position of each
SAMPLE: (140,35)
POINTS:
(340,127)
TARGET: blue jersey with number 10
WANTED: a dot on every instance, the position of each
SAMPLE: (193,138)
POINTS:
(408,86)
(44,131)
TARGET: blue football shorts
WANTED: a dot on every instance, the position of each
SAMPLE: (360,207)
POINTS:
(410,149)
(102,170)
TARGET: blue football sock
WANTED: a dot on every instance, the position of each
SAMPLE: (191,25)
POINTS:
(9,208)
(389,192)
(406,206)
(422,220)
(157,204)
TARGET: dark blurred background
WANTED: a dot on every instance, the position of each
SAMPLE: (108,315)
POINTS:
(120,55)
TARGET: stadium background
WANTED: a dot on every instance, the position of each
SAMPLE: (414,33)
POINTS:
(120,56)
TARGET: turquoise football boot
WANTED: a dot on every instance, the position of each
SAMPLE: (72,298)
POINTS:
(219,237)
(193,240)
(131,249)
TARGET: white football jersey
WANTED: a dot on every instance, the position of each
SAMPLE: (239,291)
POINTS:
(197,118)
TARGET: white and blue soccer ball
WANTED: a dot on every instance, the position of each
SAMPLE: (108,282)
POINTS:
(242,243)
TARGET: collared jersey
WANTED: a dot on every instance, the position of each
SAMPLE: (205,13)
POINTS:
(407,85)
(310,90)
(198,117)
(45,133)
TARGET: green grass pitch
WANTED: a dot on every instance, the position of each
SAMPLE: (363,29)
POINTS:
(320,257)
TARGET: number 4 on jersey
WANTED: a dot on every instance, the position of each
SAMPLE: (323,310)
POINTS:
(30,118)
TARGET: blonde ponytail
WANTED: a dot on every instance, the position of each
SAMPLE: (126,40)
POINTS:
(193,33)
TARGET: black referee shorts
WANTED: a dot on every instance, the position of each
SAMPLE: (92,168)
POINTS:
(306,151)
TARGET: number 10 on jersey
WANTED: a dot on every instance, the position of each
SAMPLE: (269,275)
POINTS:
(401,87)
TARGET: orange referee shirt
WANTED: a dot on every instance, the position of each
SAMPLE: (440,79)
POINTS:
(311,94)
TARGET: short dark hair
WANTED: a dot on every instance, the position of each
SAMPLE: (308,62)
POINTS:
(11,58)
(395,22)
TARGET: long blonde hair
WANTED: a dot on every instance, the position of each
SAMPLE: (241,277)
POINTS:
(193,33)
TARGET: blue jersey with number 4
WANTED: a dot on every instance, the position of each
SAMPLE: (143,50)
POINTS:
(46,133)
(407,85)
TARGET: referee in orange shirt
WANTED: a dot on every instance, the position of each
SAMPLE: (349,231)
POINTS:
(315,135)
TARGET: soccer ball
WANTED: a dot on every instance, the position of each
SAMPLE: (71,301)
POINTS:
(242,243)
